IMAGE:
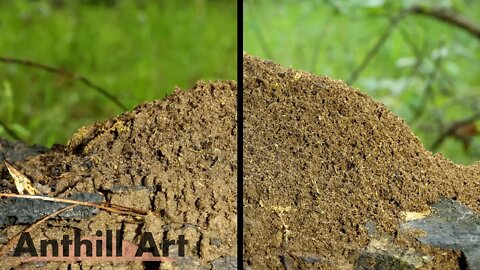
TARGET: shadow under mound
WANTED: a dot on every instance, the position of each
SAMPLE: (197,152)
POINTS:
(328,170)
(175,158)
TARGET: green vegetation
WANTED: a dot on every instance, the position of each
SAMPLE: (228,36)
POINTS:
(426,70)
(137,50)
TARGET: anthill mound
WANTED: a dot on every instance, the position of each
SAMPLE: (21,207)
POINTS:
(175,158)
(322,161)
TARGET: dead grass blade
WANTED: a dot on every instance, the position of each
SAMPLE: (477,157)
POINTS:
(21,181)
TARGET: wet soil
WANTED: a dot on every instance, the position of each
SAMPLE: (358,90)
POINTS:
(324,163)
(175,158)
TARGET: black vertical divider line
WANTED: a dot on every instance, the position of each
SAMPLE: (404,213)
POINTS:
(239,134)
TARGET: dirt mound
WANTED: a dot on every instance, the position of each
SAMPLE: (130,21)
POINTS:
(175,157)
(325,165)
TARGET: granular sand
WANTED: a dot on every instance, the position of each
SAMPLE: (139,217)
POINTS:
(323,160)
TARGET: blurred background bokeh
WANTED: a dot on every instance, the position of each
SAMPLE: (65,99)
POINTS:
(407,54)
(138,50)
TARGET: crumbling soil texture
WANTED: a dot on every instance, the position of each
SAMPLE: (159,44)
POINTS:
(322,161)
(175,158)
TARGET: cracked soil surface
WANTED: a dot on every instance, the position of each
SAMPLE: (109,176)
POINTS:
(175,158)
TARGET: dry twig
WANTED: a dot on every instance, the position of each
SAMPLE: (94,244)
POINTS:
(12,240)
(110,208)
(65,73)
(448,16)
(442,15)
(118,209)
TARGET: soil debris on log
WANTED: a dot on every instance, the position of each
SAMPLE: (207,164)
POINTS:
(328,170)
(174,157)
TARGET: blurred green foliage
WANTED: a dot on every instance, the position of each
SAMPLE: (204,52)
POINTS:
(426,71)
(137,50)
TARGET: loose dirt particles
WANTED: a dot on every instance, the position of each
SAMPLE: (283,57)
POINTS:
(323,160)
(175,157)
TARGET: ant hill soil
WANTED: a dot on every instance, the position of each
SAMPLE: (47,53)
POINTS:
(324,163)
(174,158)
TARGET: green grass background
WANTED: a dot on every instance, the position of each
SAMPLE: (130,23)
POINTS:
(137,50)
(333,37)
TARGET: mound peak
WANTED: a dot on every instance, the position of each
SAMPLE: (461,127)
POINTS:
(174,158)
(323,162)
